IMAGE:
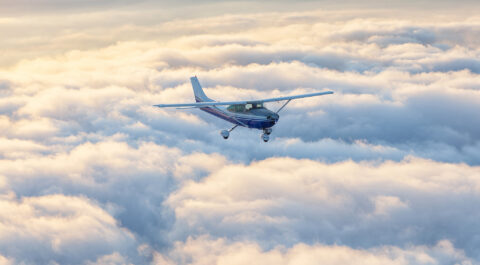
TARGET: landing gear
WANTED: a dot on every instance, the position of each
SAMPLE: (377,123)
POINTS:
(226,133)
(265,137)
(266,133)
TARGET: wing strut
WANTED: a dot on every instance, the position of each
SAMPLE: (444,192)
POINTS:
(283,106)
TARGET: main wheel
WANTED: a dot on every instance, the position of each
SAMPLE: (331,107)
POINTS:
(225,134)
(265,137)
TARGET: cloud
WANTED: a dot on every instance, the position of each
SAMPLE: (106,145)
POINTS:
(59,228)
(203,250)
(382,114)
(13,148)
(385,170)
(422,118)
(111,173)
(119,177)
(283,201)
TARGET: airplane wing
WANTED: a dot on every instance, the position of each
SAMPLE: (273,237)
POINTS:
(218,103)
(200,104)
(294,97)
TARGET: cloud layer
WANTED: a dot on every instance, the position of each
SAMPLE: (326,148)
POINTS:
(387,204)
(385,170)
(206,251)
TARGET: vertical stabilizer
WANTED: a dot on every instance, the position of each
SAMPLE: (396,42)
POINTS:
(198,91)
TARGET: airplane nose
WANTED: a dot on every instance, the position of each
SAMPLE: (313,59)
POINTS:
(273,116)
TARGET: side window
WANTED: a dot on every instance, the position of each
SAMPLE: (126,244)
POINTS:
(236,108)
(248,106)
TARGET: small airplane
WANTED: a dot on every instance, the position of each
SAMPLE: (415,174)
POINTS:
(246,113)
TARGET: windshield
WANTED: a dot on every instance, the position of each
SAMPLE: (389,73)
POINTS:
(250,106)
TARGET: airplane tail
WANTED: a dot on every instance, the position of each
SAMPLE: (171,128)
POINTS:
(198,91)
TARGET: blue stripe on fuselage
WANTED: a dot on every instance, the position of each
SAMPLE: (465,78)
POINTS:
(257,122)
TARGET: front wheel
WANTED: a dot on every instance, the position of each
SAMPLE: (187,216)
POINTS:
(265,137)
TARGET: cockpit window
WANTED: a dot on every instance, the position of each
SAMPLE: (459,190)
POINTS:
(246,107)
(236,108)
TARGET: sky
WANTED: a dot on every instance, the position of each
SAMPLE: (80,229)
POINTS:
(384,171)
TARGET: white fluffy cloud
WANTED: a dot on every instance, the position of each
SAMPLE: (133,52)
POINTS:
(59,228)
(203,250)
(384,171)
(286,201)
